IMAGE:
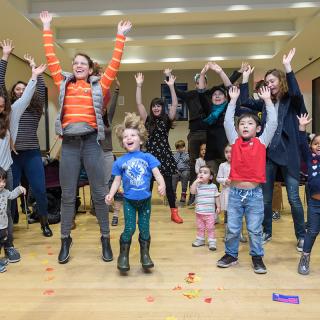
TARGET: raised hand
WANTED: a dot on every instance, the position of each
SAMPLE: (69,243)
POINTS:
(167,72)
(7,48)
(124,26)
(286,60)
(205,68)
(264,93)
(246,73)
(244,66)
(303,121)
(139,79)
(234,93)
(46,19)
(30,60)
(215,67)
(171,80)
(37,71)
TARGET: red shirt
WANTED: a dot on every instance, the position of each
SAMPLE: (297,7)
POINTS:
(248,161)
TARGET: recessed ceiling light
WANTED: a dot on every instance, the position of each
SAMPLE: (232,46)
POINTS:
(174,10)
(239,7)
(111,13)
(173,37)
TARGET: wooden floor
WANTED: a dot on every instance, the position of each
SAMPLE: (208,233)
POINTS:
(88,288)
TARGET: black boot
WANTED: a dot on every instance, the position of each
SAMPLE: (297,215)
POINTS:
(123,259)
(46,231)
(106,249)
(64,251)
(144,254)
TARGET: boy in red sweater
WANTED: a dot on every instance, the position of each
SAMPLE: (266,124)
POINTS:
(248,168)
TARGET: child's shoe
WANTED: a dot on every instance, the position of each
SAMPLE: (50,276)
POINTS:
(198,242)
(212,243)
(303,267)
(3,263)
(266,237)
(226,261)
(258,265)
(175,216)
(114,221)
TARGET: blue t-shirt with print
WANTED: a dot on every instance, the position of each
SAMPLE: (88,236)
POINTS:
(135,169)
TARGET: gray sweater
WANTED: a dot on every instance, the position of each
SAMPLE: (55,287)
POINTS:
(6,195)
(17,109)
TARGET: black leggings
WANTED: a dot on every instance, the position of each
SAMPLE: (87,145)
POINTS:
(169,190)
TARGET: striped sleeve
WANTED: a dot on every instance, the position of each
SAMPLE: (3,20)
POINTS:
(113,66)
(3,70)
(52,60)
(41,89)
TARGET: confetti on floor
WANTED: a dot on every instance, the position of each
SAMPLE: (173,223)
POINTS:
(171,318)
(207,300)
(50,278)
(191,294)
(45,261)
(150,298)
(49,269)
(177,288)
(48,292)
(192,278)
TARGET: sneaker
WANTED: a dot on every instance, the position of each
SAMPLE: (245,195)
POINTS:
(300,244)
(227,261)
(212,244)
(114,221)
(303,267)
(198,243)
(2,268)
(4,261)
(266,237)
(258,265)
(275,215)
(12,254)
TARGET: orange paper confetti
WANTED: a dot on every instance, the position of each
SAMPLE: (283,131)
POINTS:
(150,298)
(48,292)
(192,278)
(49,269)
(177,288)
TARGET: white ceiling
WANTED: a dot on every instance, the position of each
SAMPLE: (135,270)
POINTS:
(184,34)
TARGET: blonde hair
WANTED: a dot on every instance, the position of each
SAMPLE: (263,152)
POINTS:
(131,121)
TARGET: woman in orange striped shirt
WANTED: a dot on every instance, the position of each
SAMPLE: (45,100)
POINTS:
(79,123)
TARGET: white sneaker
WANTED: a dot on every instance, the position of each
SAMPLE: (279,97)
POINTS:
(198,242)
(212,243)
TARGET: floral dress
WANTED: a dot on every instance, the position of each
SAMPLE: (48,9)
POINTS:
(158,145)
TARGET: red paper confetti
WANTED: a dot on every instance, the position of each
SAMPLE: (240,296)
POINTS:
(48,292)
(49,269)
(207,300)
(150,298)
(50,253)
(177,288)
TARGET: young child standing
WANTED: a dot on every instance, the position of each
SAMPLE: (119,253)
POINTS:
(311,156)
(5,195)
(207,204)
(135,169)
(248,171)
(183,168)
(223,179)
(200,161)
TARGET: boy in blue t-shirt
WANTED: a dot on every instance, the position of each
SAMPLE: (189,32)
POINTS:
(135,169)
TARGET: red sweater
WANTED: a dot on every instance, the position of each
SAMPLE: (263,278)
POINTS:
(248,161)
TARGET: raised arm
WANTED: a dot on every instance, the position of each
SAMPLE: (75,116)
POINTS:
(216,68)
(272,122)
(113,67)
(41,87)
(174,99)
(7,48)
(202,78)
(141,108)
(304,120)
(48,42)
(20,105)
(229,127)
(180,93)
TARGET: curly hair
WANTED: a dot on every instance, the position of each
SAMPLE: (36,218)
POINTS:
(283,85)
(131,121)
(5,115)
(35,105)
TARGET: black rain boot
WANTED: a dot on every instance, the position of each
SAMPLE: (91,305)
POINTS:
(65,250)
(46,231)
(123,259)
(106,249)
(144,254)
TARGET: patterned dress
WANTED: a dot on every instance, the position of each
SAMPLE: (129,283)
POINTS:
(158,145)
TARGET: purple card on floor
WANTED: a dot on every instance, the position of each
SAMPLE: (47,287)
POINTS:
(286,299)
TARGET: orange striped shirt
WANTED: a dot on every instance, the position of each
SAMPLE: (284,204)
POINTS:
(78,102)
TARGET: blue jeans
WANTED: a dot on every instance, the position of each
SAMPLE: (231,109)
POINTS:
(30,162)
(314,224)
(77,150)
(130,208)
(292,186)
(247,202)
